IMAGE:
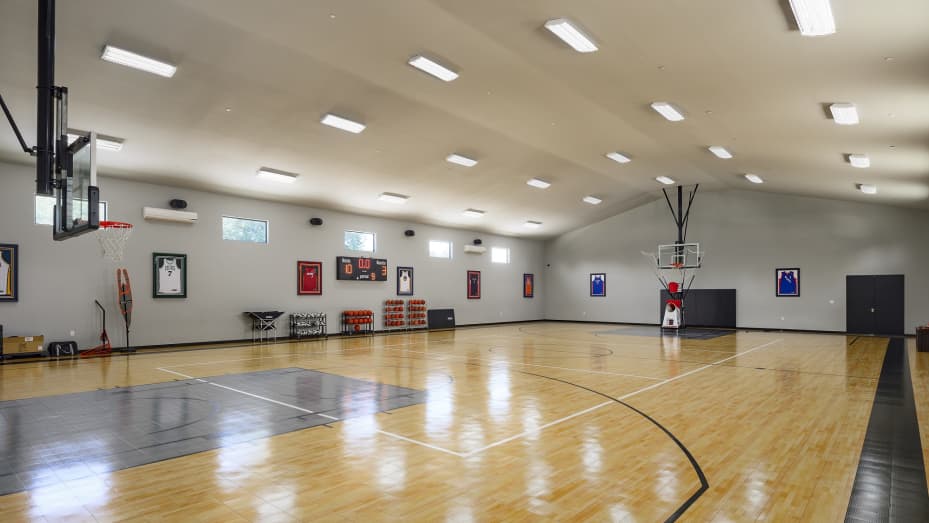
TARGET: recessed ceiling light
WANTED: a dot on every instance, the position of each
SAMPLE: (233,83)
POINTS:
(460,160)
(393,197)
(136,61)
(593,200)
(473,213)
(276,175)
(860,161)
(342,123)
(665,180)
(867,188)
(571,35)
(667,110)
(720,152)
(433,68)
(541,184)
(107,143)
(814,17)
(533,224)
(618,157)
(754,178)
(844,114)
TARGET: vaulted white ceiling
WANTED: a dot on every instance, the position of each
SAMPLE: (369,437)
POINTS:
(254,78)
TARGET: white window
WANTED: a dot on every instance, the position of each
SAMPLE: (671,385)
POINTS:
(245,230)
(500,255)
(439,249)
(45,210)
(359,241)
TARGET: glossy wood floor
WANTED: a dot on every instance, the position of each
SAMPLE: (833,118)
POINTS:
(520,424)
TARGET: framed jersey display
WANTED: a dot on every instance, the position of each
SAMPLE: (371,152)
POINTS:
(474,285)
(598,284)
(404,281)
(9,272)
(528,285)
(309,277)
(169,275)
(787,282)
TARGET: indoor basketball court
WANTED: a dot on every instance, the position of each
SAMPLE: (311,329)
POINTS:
(483,261)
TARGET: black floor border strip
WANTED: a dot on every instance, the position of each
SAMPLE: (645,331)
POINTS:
(890,483)
(704,484)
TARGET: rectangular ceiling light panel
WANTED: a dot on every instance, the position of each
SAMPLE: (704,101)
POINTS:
(342,123)
(671,113)
(136,61)
(571,35)
(844,114)
(390,197)
(593,200)
(276,176)
(860,161)
(754,178)
(473,213)
(541,184)
(533,224)
(618,157)
(720,152)
(432,67)
(107,143)
(460,160)
(867,188)
(814,17)
(665,180)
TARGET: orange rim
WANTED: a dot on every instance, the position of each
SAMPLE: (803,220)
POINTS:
(115,225)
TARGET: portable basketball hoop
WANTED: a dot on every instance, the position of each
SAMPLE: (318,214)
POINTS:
(113,237)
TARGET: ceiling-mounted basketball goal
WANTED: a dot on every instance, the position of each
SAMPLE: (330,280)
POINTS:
(672,261)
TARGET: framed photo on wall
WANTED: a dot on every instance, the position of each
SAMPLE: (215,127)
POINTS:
(598,284)
(404,281)
(528,285)
(169,275)
(309,278)
(787,282)
(9,272)
(474,285)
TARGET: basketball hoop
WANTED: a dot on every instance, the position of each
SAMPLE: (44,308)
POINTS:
(113,237)
(677,265)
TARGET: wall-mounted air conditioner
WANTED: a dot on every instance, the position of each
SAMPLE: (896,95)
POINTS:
(475,249)
(168,215)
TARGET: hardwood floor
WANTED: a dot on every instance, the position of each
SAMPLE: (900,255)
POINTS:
(522,422)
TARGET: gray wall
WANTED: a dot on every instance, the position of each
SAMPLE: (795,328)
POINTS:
(60,280)
(746,235)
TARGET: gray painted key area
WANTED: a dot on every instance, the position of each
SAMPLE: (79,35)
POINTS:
(54,439)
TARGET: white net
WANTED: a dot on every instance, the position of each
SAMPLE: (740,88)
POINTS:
(113,237)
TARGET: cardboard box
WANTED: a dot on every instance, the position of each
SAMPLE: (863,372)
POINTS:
(22,344)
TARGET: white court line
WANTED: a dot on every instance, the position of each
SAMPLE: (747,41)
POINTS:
(629,395)
(401,347)
(301,409)
(538,429)
(417,442)
(505,362)
(270,356)
(679,376)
